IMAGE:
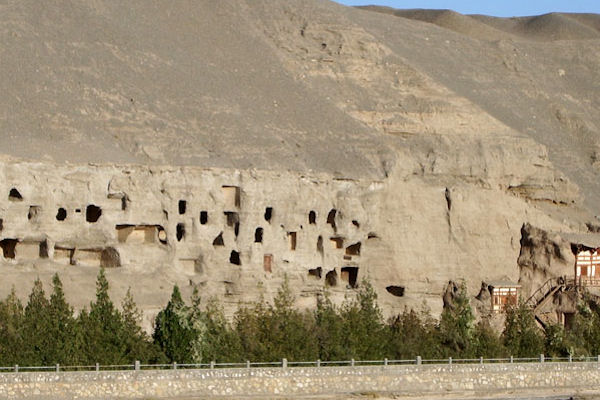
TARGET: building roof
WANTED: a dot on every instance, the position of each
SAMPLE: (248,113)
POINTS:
(591,240)
(504,281)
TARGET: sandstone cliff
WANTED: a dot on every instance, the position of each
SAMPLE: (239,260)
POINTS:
(228,145)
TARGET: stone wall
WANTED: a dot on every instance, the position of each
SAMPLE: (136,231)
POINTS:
(429,380)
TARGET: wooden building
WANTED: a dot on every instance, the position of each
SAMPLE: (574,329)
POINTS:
(504,293)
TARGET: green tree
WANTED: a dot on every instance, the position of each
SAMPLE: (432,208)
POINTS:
(330,331)
(486,342)
(136,343)
(101,329)
(35,328)
(456,326)
(291,334)
(11,320)
(277,331)
(583,337)
(412,334)
(364,331)
(555,343)
(249,327)
(173,333)
(63,349)
(222,341)
(521,336)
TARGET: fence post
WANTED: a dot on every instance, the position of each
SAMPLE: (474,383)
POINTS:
(247,363)
(174,365)
(511,359)
(570,358)
(57,367)
(284,363)
(598,358)
(449,360)
(97,367)
(419,360)
(136,365)
(212,365)
(385,362)
(352,362)
(480,360)
(16,367)
(542,359)
(318,363)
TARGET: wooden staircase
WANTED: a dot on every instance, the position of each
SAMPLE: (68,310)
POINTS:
(544,294)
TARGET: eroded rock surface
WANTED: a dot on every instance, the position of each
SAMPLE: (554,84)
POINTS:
(229,145)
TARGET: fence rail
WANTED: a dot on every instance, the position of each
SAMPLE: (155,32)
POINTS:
(137,366)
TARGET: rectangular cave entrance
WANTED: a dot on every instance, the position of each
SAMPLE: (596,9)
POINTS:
(231,197)
(63,255)
(292,240)
(28,250)
(268,263)
(88,257)
(137,233)
(336,242)
(8,247)
(350,275)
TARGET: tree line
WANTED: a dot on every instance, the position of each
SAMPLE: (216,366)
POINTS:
(47,331)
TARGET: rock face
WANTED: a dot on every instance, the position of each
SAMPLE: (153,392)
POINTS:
(229,146)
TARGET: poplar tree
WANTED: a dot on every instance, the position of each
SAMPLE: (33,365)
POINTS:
(329,331)
(364,332)
(62,328)
(101,328)
(36,327)
(173,333)
(11,320)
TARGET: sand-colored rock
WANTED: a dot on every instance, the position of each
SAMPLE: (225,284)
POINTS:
(151,138)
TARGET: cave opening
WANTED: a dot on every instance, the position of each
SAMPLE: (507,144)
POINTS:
(219,240)
(350,275)
(331,218)
(312,217)
(203,217)
(182,207)
(8,247)
(331,278)
(92,213)
(315,272)
(268,214)
(61,215)
(180,231)
(353,250)
(234,258)
(231,196)
(292,237)
(34,212)
(397,291)
(14,195)
(232,218)
(258,235)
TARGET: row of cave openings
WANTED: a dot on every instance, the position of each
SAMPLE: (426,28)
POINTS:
(348,275)
(31,250)
(92,211)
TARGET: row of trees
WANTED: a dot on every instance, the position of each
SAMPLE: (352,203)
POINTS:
(46,331)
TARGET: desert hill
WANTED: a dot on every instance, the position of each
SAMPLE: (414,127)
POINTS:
(421,140)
